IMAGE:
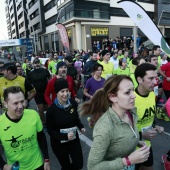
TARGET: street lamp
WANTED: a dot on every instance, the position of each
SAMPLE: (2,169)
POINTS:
(35,48)
(160,17)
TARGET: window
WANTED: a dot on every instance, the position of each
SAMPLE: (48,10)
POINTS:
(165,1)
(46,42)
(22,34)
(13,23)
(147,1)
(7,15)
(34,14)
(12,16)
(36,26)
(56,42)
(13,31)
(21,25)
(118,12)
(166,15)
(32,3)
(151,15)
(10,2)
(126,32)
(50,5)
(20,15)
(19,6)
(51,20)
(11,8)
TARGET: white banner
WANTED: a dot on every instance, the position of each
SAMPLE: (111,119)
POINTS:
(144,22)
(11,42)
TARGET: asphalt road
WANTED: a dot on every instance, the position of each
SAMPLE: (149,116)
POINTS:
(160,145)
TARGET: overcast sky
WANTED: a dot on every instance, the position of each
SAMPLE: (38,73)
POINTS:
(3,25)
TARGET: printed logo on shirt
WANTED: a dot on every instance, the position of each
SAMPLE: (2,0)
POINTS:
(72,110)
(148,115)
(24,143)
(7,128)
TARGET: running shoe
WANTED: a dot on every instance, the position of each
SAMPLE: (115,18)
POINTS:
(165,162)
(161,115)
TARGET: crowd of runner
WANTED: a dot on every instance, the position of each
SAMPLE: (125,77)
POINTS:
(122,94)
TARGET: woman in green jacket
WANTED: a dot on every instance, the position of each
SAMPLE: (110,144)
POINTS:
(115,135)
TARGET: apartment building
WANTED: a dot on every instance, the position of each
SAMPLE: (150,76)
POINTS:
(87,21)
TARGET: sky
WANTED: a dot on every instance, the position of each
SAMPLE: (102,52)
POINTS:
(3,24)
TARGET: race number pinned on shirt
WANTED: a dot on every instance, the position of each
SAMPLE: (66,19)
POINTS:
(130,167)
(67,130)
(146,128)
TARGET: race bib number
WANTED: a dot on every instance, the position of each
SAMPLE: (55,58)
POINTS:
(146,128)
(131,167)
(73,129)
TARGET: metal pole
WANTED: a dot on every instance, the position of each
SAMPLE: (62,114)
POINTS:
(135,37)
(35,48)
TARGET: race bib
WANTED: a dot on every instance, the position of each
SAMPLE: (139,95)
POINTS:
(130,167)
(67,130)
(146,128)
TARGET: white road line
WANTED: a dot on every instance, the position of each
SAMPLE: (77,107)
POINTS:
(85,139)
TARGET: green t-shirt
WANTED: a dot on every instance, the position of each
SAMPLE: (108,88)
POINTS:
(24,66)
(20,140)
(119,71)
(159,62)
(146,110)
(108,69)
(120,56)
(52,66)
(132,76)
(131,67)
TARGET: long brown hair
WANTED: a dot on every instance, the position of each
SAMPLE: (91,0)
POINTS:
(100,102)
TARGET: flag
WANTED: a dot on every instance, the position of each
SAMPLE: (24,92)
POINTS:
(64,38)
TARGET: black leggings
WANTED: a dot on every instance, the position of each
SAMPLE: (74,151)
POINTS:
(72,149)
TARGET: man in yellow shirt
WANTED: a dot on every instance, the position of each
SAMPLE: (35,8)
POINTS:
(146,76)
(10,78)
(108,67)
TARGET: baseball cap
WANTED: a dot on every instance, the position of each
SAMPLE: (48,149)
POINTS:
(77,55)
(8,66)
(36,60)
(69,59)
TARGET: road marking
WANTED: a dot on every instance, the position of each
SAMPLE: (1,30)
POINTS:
(85,139)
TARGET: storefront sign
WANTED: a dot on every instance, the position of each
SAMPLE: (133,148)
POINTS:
(69,33)
(99,31)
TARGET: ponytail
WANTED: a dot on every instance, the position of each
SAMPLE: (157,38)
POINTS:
(96,106)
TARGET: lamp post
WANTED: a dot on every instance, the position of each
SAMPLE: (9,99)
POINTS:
(35,48)
(160,17)
(55,26)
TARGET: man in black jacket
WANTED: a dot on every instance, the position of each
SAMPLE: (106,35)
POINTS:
(39,78)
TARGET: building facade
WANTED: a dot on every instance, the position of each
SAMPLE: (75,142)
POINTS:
(86,21)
